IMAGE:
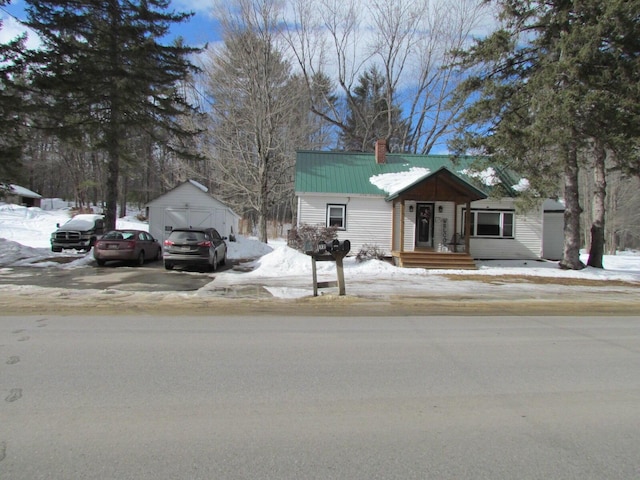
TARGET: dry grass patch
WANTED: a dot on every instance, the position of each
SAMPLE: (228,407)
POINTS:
(536,280)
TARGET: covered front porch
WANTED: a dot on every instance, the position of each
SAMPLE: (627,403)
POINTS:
(432,222)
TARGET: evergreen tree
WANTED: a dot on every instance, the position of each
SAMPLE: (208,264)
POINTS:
(12,107)
(105,72)
(546,99)
(370,117)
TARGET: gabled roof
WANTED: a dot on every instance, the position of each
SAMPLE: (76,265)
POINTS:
(359,174)
(21,191)
(198,189)
(452,182)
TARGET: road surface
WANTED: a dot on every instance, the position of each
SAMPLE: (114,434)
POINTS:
(170,397)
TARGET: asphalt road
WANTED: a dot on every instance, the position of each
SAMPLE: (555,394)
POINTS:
(159,397)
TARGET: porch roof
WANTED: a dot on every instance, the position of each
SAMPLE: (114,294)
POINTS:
(440,185)
(357,173)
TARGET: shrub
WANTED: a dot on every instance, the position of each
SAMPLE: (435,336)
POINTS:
(370,252)
(306,237)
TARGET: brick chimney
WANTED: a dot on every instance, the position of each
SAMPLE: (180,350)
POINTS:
(381,151)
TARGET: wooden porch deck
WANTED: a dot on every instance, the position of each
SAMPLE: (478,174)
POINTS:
(434,260)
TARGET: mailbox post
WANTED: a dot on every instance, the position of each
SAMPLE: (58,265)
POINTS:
(332,252)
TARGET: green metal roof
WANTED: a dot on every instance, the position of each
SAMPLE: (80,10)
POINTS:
(351,173)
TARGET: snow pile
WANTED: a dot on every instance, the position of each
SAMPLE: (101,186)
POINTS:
(24,242)
(394,182)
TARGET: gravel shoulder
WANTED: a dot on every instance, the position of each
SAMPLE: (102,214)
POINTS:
(449,295)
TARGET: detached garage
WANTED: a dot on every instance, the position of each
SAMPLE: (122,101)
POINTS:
(190,205)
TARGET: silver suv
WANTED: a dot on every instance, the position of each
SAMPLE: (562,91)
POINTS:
(200,247)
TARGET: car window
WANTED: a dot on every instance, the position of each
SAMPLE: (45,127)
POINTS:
(186,236)
(215,235)
(128,235)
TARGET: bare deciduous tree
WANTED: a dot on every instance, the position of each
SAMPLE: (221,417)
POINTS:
(412,42)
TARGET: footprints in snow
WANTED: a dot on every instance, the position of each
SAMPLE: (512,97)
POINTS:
(13,360)
(16,393)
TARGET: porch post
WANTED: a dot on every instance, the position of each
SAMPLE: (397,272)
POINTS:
(402,226)
(393,226)
(467,229)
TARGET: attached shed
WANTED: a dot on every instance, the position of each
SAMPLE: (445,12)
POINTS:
(553,228)
(190,205)
(20,195)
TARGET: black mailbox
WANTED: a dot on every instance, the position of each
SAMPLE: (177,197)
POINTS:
(341,246)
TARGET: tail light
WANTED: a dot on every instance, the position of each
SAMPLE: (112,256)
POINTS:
(168,243)
(129,245)
(204,243)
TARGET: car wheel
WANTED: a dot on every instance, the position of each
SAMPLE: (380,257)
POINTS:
(168,266)
(213,264)
(140,259)
(100,262)
(159,255)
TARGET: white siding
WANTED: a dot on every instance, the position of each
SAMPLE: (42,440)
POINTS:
(368,219)
(369,222)
(188,206)
(527,243)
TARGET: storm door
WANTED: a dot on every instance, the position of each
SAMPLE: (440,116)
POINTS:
(424,225)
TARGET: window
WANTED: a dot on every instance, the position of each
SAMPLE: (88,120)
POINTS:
(337,216)
(491,223)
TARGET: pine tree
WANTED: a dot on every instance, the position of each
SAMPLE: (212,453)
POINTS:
(547,101)
(12,107)
(105,71)
(370,117)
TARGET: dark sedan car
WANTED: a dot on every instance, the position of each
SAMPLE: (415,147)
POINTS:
(127,245)
(198,247)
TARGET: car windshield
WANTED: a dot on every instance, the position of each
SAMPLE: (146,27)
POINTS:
(186,236)
(119,236)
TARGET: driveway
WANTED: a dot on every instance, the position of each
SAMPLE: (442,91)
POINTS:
(152,277)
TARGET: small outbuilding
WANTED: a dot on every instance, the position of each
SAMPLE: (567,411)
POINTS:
(190,205)
(20,195)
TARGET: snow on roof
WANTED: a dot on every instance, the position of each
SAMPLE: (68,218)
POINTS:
(23,192)
(488,176)
(394,182)
(199,185)
(522,186)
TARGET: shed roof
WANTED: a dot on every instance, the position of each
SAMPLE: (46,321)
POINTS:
(358,173)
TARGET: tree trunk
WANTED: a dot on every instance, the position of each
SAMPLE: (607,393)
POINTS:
(263,203)
(598,207)
(571,254)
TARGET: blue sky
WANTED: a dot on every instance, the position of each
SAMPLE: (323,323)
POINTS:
(200,29)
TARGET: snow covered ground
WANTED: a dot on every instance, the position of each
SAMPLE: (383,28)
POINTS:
(286,273)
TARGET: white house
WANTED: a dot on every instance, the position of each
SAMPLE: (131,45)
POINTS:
(190,205)
(429,211)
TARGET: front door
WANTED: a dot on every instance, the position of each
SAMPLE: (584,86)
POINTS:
(424,225)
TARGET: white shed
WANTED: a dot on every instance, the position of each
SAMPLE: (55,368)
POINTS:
(190,205)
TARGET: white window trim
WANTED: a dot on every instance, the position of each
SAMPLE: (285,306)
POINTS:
(502,213)
(344,214)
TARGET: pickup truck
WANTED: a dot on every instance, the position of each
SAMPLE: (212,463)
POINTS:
(80,233)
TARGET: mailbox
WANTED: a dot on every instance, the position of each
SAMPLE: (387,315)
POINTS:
(340,246)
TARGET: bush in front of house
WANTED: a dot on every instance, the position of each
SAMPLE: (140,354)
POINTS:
(306,237)
(370,252)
